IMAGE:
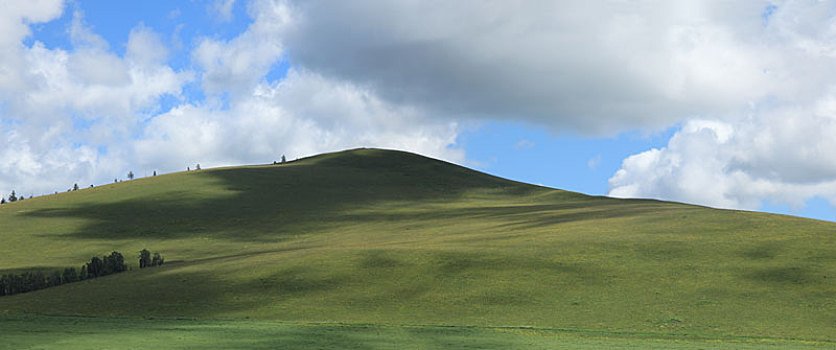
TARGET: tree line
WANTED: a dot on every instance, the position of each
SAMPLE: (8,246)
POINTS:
(145,259)
(11,284)
(13,197)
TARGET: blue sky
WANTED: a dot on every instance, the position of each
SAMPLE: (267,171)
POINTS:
(725,105)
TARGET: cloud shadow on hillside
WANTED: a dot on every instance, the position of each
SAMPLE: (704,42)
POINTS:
(272,203)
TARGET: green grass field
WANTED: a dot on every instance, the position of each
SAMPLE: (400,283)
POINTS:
(55,332)
(373,237)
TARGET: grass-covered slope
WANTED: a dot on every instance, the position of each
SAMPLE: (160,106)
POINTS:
(384,237)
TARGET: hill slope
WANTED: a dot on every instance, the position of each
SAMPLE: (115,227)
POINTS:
(374,236)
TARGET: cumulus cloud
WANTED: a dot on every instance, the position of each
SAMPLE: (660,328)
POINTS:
(781,155)
(15,19)
(237,65)
(777,149)
(87,115)
(598,67)
(145,48)
(302,115)
(91,82)
(16,16)
(66,115)
(223,8)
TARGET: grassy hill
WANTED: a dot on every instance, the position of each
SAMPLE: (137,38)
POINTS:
(384,237)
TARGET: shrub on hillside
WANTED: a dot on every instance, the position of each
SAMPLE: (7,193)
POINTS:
(145,259)
(157,260)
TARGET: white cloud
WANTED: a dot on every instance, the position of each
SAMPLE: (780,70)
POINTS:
(223,8)
(302,115)
(95,67)
(83,37)
(88,115)
(782,155)
(16,16)
(237,65)
(145,48)
(597,67)
(60,107)
(776,150)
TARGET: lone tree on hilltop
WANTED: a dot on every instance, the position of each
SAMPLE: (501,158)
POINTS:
(75,187)
(2,200)
(283,159)
(13,197)
(130,175)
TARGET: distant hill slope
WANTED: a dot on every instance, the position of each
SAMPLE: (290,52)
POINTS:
(376,236)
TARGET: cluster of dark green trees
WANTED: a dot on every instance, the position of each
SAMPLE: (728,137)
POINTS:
(110,264)
(12,198)
(145,259)
(11,284)
(28,281)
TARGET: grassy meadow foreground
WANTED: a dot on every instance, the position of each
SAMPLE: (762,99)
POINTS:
(400,248)
(61,332)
